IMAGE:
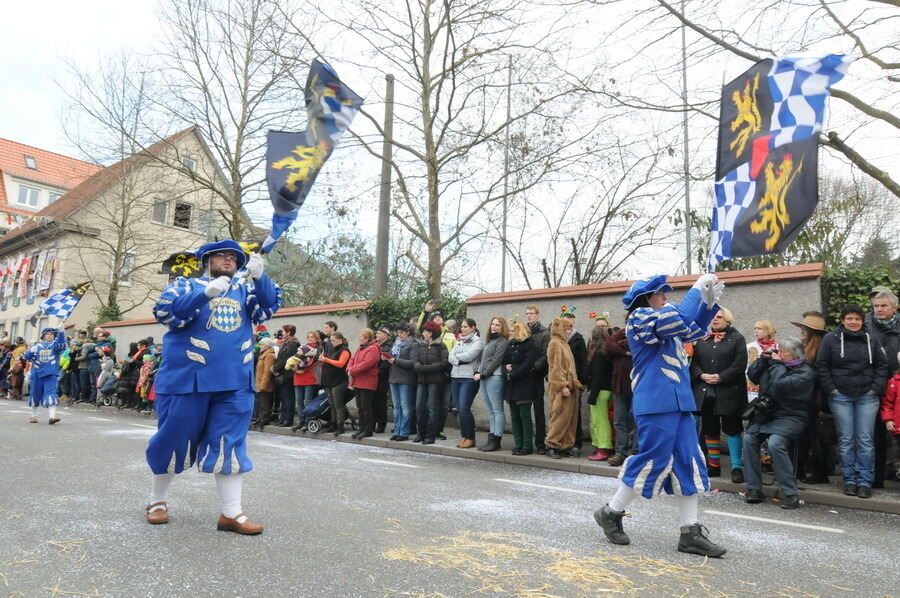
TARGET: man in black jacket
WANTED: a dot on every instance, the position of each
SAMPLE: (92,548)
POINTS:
(884,324)
(785,377)
(579,352)
(540,336)
(284,380)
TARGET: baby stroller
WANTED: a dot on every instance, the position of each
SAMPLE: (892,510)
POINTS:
(318,413)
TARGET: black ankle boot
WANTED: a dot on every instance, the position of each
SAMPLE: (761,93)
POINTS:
(611,523)
(492,444)
(693,540)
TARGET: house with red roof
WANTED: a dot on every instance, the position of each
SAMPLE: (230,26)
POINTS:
(114,225)
(32,178)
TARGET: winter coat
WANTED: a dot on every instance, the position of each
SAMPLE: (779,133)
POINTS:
(519,381)
(890,403)
(131,370)
(384,366)
(403,371)
(83,360)
(619,353)
(540,338)
(492,357)
(853,363)
(888,336)
(561,372)
(287,350)
(794,389)
(600,375)
(265,381)
(579,353)
(465,356)
(432,362)
(307,376)
(334,365)
(728,359)
(363,367)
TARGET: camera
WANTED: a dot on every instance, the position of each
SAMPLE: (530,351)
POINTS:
(768,353)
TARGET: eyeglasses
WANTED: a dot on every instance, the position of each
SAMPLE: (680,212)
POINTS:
(229,255)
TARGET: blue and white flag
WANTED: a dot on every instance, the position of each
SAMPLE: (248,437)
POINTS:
(293,160)
(61,303)
(766,172)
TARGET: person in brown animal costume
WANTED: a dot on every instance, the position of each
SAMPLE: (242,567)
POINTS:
(563,389)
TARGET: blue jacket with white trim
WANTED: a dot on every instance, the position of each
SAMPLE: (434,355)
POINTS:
(209,345)
(44,355)
(660,376)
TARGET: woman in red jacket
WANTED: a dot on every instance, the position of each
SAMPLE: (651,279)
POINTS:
(363,371)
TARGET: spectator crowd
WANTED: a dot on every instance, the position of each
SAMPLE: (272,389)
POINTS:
(805,407)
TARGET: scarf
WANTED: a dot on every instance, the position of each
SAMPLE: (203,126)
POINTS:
(767,345)
(793,362)
(890,323)
(398,346)
(717,336)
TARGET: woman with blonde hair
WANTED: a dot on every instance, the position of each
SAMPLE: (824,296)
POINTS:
(490,374)
(518,362)
(764,331)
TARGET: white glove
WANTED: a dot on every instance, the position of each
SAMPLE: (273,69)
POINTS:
(717,291)
(706,281)
(255,266)
(217,287)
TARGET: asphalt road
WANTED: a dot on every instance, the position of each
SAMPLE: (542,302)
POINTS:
(351,520)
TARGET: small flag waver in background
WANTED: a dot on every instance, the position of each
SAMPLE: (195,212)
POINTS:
(61,303)
(293,160)
(767,164)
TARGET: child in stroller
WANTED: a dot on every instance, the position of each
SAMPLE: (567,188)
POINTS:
(107,380)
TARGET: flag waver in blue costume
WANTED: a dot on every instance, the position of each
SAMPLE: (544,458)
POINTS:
(670,458)
(44,358)
(205,383)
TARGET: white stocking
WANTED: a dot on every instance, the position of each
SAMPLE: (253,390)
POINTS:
(51,411)
(34,411)
(230,494)
(624,495)
(687,509)
(161,483)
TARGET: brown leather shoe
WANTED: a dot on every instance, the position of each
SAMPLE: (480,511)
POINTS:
(52,420)
(33,420)
(466,443)
(159,515)
(248,528)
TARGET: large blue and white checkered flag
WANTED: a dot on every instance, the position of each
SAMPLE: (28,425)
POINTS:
(61,303)
(767,160)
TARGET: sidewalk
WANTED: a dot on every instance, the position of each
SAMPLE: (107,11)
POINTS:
(885,500)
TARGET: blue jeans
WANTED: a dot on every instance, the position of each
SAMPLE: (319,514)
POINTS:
(854,418)
(84,386)
(779,450)
(464,391)
(402,395)
(428,403)
(492,392)
(303,396)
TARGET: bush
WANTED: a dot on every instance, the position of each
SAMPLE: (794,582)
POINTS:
(851,284)
(389,311)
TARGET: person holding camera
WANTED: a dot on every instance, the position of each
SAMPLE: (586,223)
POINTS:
(787,391)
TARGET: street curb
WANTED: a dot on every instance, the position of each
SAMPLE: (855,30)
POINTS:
(574,465)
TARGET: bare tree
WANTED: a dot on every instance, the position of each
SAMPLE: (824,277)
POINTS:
(451,61)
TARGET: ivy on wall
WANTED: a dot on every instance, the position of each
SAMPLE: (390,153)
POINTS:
(851,284)
(389,311)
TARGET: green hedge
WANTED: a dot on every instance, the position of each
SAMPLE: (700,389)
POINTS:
(389,311)
(851,284)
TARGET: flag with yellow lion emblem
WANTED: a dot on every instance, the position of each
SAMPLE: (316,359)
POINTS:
(293,160)
(767,164)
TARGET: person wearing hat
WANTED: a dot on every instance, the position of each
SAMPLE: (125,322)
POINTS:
(813,466)
(44,358)
(205,384)
(670,458)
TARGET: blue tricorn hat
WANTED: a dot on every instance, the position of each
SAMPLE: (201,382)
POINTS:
(650,284)
(226,245)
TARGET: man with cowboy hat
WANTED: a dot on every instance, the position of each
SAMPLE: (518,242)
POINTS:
(205,383)
(670,458)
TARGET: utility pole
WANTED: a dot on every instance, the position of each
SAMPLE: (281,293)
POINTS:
(506,173)
(687,171)
(384,205)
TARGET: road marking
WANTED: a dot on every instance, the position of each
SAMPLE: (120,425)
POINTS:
(295,449)
(144,426)
(383,462)
(100,419)
(820,528)
(560,488)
